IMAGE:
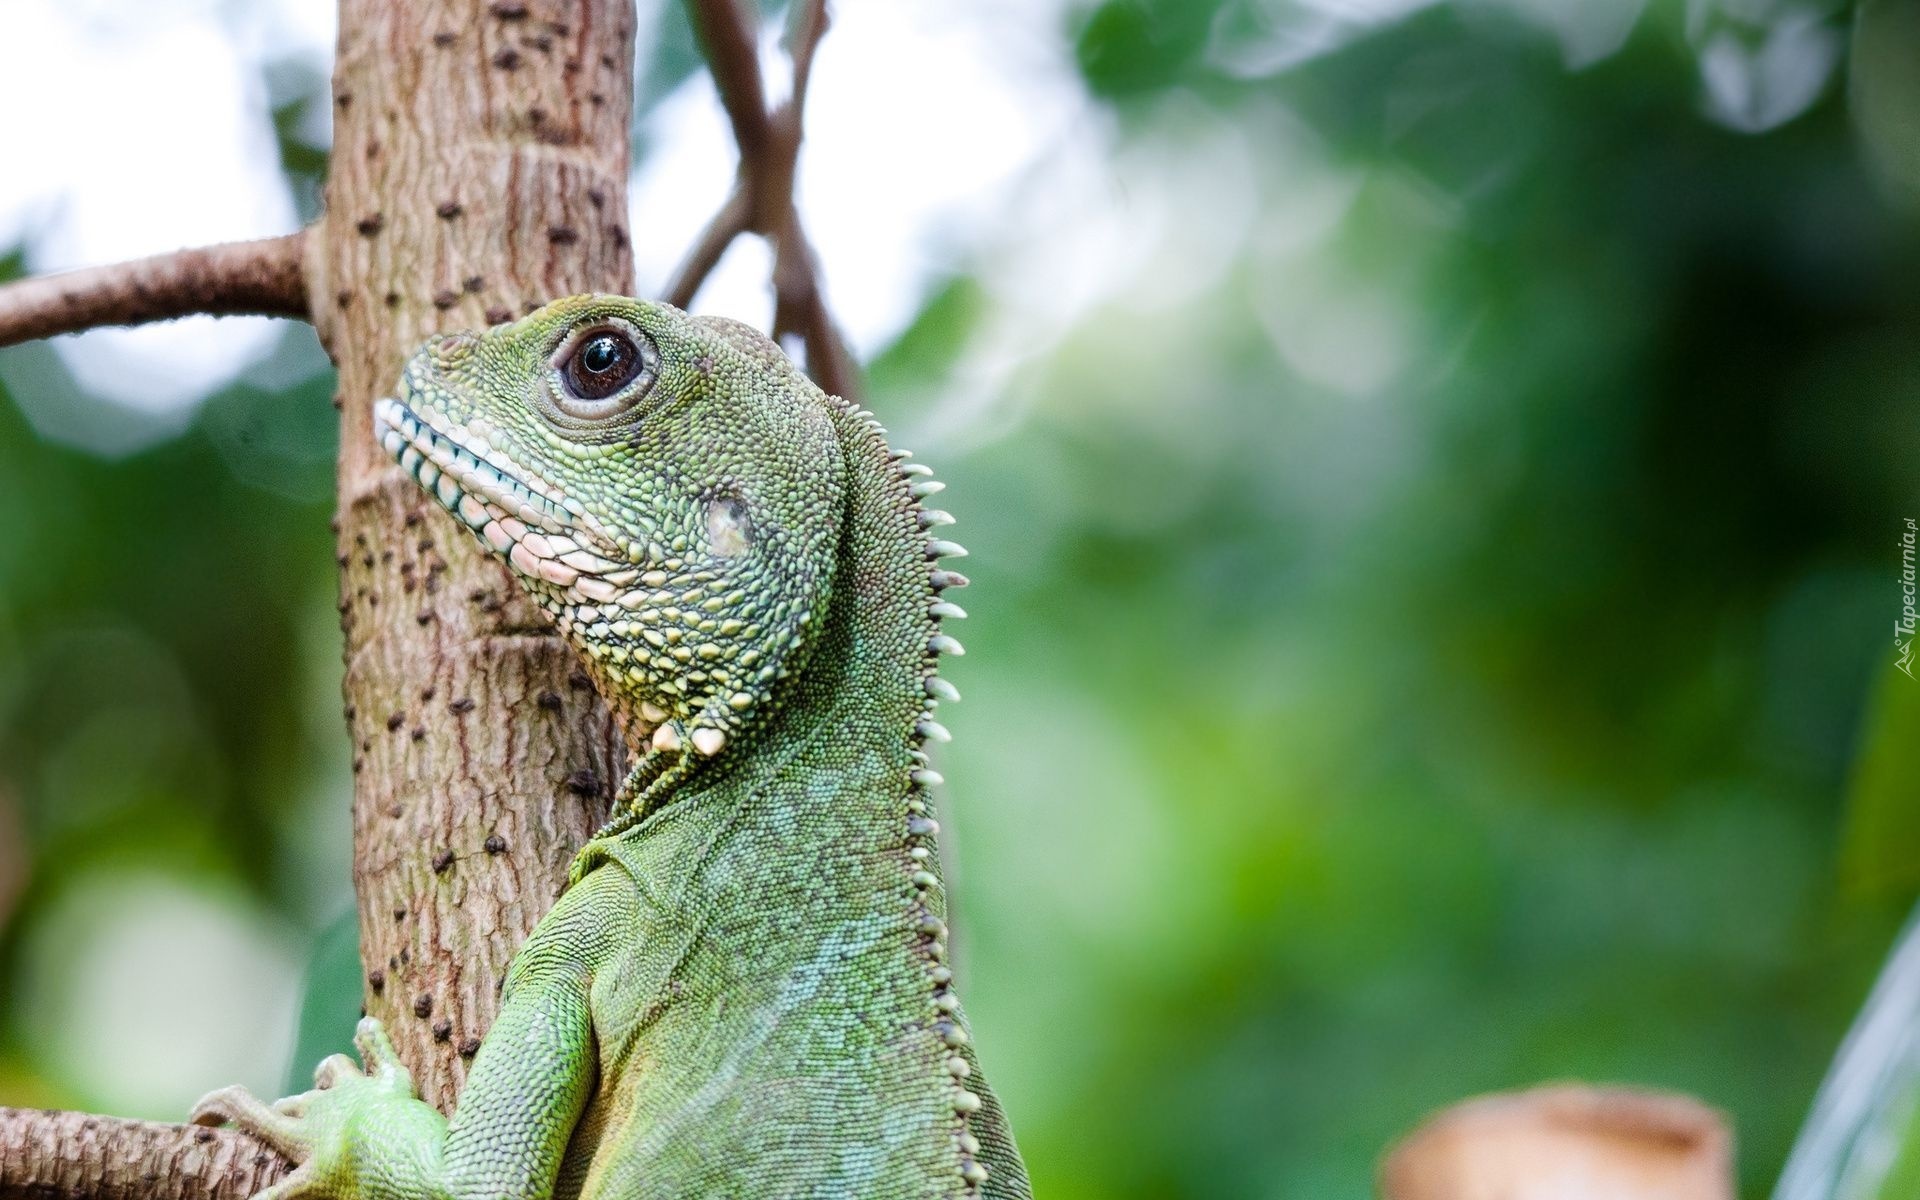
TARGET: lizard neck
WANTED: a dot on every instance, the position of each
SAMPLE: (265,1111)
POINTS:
(807,859)
(812,845)
(851,722)
(859,705)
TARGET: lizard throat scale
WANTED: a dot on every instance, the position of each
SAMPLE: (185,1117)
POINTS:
(744,990)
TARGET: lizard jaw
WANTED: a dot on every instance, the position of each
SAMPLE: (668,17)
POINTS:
(534,526)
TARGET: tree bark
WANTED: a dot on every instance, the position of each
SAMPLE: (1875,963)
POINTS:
(79,1156)
(479,170)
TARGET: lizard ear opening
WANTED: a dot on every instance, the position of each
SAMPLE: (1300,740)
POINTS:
(729,533)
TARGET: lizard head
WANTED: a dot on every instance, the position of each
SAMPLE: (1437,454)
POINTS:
(669,488)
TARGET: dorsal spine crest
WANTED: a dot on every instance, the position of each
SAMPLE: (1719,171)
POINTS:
(911,483)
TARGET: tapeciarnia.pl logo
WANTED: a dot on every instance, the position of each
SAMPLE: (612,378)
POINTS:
(1904,626)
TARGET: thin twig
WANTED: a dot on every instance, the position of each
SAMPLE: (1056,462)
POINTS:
(732,220)
(808,30)
(797,267)
(801,309)
(259,278)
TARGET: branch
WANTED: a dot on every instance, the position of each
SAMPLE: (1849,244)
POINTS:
(1565,1139)
(762,200)
(730,222)
(725,28)
(260,278)
(800,308)
(79,1156)
(809,28)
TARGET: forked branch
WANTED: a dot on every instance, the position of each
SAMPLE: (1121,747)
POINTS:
(260,278)
(762,201)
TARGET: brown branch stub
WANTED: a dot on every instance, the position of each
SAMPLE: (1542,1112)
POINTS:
(79,1156)
(1555,1140)
(259,278)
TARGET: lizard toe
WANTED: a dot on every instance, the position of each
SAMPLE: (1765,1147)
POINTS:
(377,1052)
(332,1070)
(242,1109)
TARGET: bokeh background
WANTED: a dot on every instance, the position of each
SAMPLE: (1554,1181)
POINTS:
(1435,475)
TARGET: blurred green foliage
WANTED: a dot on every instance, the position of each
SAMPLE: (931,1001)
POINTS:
(1427,656)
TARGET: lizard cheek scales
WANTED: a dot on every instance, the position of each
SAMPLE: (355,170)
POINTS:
(700,521)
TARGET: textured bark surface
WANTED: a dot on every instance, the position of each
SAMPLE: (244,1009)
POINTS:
(479,169)
(70,1155)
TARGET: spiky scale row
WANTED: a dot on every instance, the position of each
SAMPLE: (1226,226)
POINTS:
(921,825)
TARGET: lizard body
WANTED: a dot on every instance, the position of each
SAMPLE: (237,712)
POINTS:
(744,990)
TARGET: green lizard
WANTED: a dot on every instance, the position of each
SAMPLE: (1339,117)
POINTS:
(744,990)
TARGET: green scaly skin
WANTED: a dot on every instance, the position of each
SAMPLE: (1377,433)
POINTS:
(744,990)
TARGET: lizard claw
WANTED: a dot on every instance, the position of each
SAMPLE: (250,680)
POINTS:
(283,1124)
(376,1051)
(237,1106)
(350,1116)
(332,1069)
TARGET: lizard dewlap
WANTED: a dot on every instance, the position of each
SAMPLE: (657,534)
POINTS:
(744,992)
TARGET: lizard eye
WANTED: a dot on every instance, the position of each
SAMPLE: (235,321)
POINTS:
(596,366)
(601,366)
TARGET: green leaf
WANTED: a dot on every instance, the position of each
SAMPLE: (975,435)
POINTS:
(1132,46)
(1883,810)
(330,1005)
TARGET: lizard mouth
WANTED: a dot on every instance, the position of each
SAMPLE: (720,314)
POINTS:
(544,533)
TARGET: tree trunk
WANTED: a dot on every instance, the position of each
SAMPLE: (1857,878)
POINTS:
(479,170)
